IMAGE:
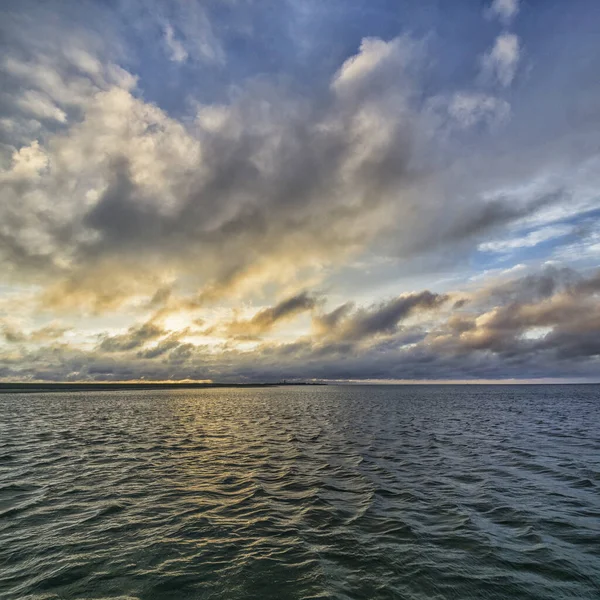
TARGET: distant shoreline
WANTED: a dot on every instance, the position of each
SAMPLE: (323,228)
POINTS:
(24,387)
(31,387)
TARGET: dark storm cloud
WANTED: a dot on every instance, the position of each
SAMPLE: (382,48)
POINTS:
(330,320)
(555,313)
(266,319)
(589,285)
(164,346)
(290,307)
(134,338)
(492,214)
(119,214)
(536,286)
(379,319)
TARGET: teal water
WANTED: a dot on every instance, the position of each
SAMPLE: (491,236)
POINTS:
(446,492)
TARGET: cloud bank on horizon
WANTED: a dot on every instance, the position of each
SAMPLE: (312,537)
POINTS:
(249,191)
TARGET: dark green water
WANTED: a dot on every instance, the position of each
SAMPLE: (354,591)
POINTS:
(334,492)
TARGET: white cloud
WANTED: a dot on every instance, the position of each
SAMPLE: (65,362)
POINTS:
(29,161)
(375,58)
(468,109)
(187,30)
(502,60)
(505,10)
(177,52)
(530,240)
(372,52)
(41,106)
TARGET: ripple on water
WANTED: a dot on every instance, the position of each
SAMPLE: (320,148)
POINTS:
(328,492)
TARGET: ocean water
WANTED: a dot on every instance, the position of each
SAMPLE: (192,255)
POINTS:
(446,492)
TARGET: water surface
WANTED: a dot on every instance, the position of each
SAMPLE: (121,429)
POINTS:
(446,492)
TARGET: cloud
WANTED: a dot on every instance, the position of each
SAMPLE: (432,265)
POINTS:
(127,180)
(505,10)
(177,51)
(15,335)
(501,62)
(367,70)
(263,190)
(267,188)
(287,308)
(41,106)
(162,347)
(560,304)
(134,338)
(530,288)
(544,324)
(268,318)
(326,322)
(468,109)
(187,28)
(343,325)
(531,239)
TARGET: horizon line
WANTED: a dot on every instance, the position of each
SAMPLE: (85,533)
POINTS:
(289,382)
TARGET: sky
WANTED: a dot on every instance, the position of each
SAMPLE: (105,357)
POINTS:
(257,190)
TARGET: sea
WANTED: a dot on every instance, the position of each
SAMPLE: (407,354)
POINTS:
(301,492)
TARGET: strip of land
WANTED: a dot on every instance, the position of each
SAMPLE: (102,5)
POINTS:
(21,387)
